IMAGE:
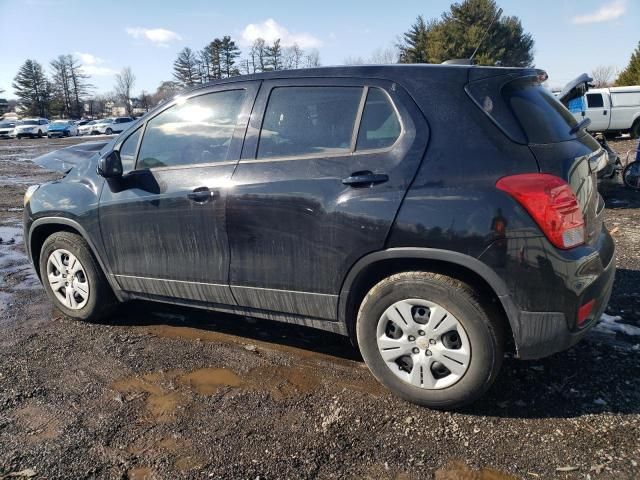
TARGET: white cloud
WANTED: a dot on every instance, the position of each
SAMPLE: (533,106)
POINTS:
(92,65)
(270,30)
(158,36)
(606,13)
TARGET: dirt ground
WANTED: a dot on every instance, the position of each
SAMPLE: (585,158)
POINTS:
(160,392)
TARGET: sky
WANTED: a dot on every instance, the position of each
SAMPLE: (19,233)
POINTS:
(571,36)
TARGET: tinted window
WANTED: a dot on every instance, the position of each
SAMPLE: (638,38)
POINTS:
(380,126)
(594,100)
(542,117)
(309,120)
(128,150)
(196,131)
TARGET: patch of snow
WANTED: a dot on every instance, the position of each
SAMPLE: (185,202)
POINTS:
(609,324)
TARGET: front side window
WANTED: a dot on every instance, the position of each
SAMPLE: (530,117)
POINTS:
(128,151)
(594,100)
(194,132)
(380,126)
(309,121)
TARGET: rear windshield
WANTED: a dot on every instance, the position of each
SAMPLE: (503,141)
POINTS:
(523,109)
(542,117)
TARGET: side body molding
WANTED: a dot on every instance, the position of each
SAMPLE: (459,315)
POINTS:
(87,238)
(466,261)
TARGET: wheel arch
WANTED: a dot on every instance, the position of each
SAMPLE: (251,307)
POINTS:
(43,228)
(372,268)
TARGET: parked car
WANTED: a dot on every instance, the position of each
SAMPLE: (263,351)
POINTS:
(62,128)
(6,128)
(612,111)
(31,127)
(110,126)
(87,128)
(339,198)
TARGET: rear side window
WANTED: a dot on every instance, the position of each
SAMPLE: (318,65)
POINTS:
(625,99)
(380,126)
(594,100)
(540,115)
(196,131)
(309,121)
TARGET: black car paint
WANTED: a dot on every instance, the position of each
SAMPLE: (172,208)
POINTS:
(286,239)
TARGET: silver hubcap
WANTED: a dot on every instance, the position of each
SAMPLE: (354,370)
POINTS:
(423,344)
(67,279)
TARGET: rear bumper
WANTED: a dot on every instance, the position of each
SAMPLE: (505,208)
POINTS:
(548,286)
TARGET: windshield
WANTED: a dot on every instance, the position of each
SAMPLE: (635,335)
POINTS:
(28,122)
(106,120)
(7,124)
(61,122)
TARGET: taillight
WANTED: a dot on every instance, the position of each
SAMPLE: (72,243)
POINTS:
(551,203)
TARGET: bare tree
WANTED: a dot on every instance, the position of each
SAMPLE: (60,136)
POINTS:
(312,58)
(603,75)
(125,80)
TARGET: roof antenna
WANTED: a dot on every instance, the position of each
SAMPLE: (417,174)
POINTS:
(498,15)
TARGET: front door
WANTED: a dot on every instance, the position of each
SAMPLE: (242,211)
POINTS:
(163,223)
(324,168)
(598,112)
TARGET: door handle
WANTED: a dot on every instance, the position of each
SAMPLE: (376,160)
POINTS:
(604,112)
(366,178)
(201,195)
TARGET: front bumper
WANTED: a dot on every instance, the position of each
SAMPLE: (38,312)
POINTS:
(548,286)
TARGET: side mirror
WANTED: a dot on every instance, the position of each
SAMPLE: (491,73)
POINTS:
(110,165)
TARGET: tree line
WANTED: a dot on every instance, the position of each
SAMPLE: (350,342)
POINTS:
(65,90)
(221,59)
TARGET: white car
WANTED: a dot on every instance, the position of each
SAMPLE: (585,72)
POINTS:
(110,126)
(87,128)
(31,127)
(6,128)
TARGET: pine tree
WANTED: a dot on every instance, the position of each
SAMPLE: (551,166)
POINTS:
(459,32)
(274,56)
(631,74)
(414,47)
(31,88)
(185,68)
(229,52)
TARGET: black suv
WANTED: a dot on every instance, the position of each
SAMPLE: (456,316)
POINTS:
(437,215)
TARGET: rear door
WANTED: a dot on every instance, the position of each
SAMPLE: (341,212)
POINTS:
(163,223)
(324,168)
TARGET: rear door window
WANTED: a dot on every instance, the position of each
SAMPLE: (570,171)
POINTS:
(380,125)
(309,121)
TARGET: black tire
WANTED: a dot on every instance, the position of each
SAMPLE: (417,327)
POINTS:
(101,301)
(484,331)
(108,131)
(635,129)
(631,175)
(39,133)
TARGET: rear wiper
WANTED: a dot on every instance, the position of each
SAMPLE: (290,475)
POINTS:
(580,125)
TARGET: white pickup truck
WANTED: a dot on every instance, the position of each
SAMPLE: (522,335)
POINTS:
(611,110)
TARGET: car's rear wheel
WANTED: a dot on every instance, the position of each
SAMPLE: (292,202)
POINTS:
(427,338)
(635,129)
(73,279)
(39,133)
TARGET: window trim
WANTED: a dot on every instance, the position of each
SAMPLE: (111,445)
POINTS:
(351,151)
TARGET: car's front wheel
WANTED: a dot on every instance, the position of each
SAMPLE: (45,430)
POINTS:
(428,338)
(73,279)
(109,131)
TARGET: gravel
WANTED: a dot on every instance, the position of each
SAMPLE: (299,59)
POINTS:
(165,392)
